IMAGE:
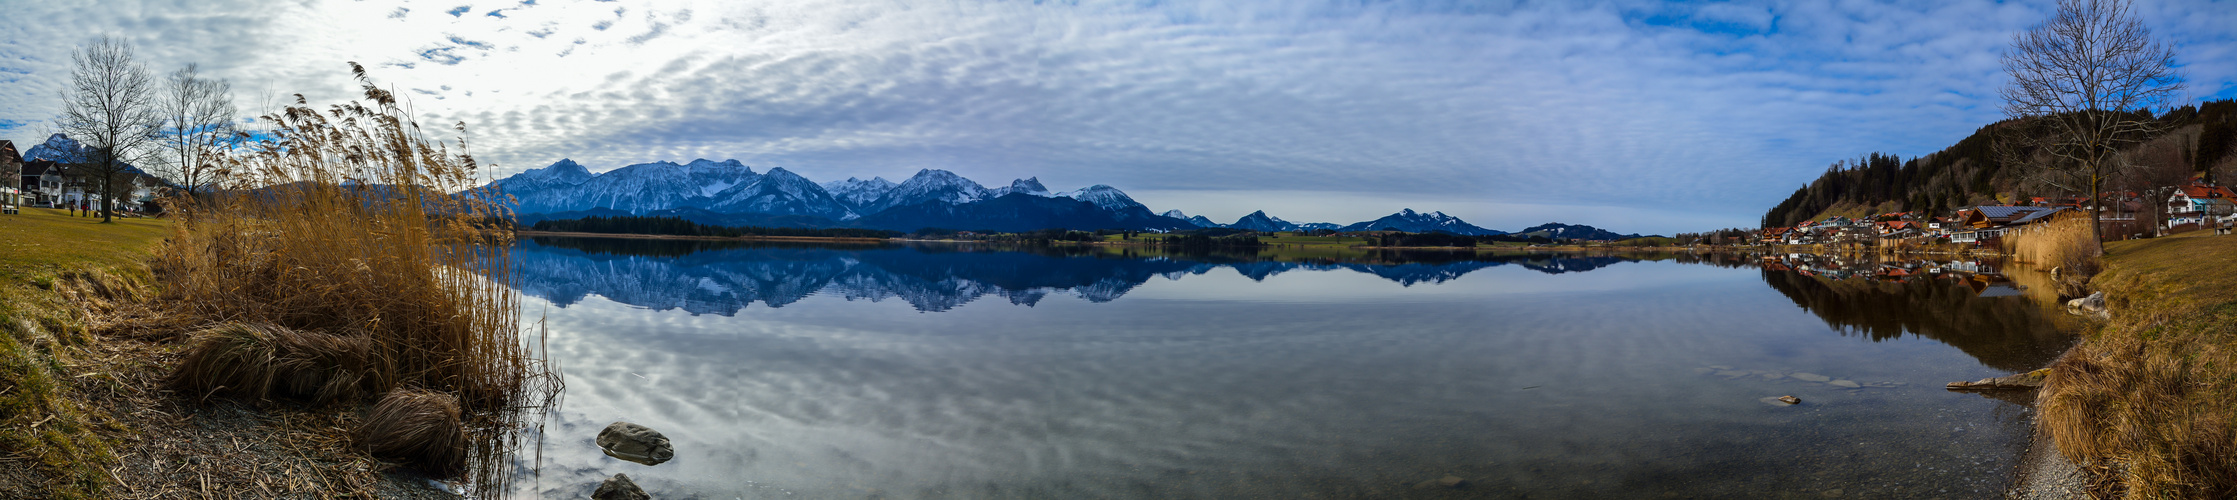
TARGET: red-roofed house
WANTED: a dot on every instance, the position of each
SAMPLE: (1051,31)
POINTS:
(2200,205)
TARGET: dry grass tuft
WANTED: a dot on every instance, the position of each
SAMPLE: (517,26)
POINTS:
(2151,398)
(417,427)
(262,361)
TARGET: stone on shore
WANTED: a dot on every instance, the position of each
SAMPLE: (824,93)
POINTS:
(619,487)
(635,443)
(2094,303)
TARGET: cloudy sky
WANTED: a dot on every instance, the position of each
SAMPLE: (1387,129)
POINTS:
(1633,116)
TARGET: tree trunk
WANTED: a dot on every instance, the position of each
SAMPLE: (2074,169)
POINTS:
(106,203)
(2096,213)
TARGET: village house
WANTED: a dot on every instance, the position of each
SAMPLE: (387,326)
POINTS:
(1984,225)
(2198,206)
(11,177)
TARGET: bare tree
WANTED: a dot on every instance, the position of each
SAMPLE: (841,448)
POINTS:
(109,107)
(198,116)
(2083,80)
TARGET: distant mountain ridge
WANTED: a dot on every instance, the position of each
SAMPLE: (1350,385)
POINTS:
(1559,231)
(1409,221)
(730,193)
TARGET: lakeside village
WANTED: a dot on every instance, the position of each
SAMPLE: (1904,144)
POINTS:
(42,183)
(2163,211)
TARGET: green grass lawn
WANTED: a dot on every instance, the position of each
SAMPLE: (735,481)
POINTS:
(40,242)
(41,336)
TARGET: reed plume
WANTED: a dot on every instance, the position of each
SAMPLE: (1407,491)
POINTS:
(349,221)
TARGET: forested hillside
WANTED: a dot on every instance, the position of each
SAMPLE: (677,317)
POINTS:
(2196,139)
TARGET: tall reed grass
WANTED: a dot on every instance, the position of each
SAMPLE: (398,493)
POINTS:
(351,222)
(2067,243)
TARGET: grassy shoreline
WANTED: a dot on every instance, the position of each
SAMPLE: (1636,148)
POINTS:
(84,412)
(2148,400)
(50,261)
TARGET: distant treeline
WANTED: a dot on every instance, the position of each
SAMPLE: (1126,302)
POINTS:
(1972,172)
(1728,236)
(624,224)
(1435,239)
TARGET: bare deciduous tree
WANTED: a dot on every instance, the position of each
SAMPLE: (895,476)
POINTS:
(198,116)
(2081,78)
(109,107)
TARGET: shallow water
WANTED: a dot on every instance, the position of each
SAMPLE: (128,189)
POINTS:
(951,372)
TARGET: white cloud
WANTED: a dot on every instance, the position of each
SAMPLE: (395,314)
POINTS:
(1712,111)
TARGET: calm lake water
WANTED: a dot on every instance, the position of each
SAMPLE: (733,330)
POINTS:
(792,371)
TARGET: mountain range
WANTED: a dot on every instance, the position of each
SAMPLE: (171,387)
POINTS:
(730,193)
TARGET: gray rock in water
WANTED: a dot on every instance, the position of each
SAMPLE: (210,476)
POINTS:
(619,487)
(1811,377)
(1845,383)
(635,443)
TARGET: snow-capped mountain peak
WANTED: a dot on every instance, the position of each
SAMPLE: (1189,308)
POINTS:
(59,149)
(565,172)
(1029,185)
(1110,198)
(1175,213)
(929,185)
(1416,222)
(1259,221)
(780,192)
(857,192)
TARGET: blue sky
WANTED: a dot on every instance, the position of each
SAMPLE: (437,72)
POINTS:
(1650,117)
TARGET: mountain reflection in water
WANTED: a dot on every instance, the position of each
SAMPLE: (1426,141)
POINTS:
(1526,375)
(722,277)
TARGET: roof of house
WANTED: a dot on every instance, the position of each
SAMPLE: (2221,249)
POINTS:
(2040,215)
(2205,191)
(2006,212)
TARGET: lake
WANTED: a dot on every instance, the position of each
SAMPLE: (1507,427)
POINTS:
(958,371)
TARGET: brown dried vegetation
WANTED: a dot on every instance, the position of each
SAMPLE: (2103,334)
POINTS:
(2150,400)
(348,255)
(2064,243)
(420,427)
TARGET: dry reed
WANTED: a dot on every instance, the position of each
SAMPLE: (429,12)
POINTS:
(350,221)
(417,427)
(2066,243)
